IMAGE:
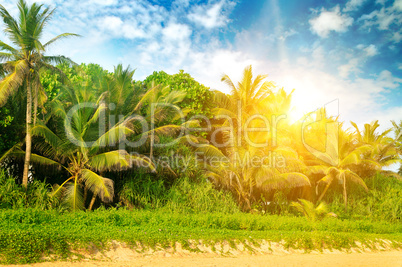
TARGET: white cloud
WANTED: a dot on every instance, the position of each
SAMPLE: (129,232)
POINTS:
(112,23)
(350,67)
(209,16)
(132,31)
(329,21)
(208,67)
(181,3)
(360,56)
(397,37)
(371,50)
(175,31)
(353,5)
(315,88)
(168,43)
(384,18)
(104,2)
(381,2)
(400,66)
(398,4)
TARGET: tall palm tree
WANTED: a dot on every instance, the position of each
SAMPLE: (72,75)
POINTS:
(250,105)
(24,58)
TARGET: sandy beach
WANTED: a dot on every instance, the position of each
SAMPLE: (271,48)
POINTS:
(267,254)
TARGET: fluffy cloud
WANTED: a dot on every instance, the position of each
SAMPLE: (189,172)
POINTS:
(316,88)
(328,21)
(159,39)
(398,5)
(351,67)
(362,53)
(112,23)
(384,18)
(209,16)
(397,37)
(353,5)
(371,50)
(104,2)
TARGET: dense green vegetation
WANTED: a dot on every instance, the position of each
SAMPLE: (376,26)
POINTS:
(167,159)
(30,234)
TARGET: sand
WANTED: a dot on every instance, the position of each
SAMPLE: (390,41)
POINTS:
(267,254)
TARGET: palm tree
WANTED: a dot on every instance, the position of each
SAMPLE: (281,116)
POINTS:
(23,60)
(339,161)
(384,149)
(250,105)
(248,170)
(84,152)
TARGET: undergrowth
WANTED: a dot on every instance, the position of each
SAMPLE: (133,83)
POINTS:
(29,235)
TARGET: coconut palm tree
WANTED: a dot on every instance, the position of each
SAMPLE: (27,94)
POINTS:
(248,170)
(249,106)
(384,149)
(339,161)
(23,60)
(85,153)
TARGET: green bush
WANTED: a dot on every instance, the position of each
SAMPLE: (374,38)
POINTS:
(141,191)
(196,197)
(383,202)
(36,195)
(27,235)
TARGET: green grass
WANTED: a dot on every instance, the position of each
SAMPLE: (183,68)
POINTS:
(26,235)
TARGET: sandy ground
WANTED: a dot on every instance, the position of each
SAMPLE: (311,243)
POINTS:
(392,258)
(267,254)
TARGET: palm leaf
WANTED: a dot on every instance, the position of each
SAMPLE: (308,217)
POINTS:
(59,37)
(73,195)
(96,183)
(112,160)
(356,179)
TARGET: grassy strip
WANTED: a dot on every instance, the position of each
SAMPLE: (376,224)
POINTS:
(28,235)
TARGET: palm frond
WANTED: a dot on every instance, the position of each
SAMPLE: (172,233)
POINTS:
(42,130)
(73,195)
(60,37)
(356,179)
(112,160)
(96,183)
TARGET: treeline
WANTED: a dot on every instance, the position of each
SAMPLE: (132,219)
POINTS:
(102,137)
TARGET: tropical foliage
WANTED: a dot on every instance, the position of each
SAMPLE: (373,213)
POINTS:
(24,59)
(97,134)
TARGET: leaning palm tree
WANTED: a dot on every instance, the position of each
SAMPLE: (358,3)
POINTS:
(22,61)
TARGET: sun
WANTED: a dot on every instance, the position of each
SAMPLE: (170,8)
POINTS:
(294,115)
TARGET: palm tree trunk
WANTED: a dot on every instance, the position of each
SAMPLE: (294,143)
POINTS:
(28,138)
(323,192)
(345,196)
(93,200)
(35,112)
(151,149)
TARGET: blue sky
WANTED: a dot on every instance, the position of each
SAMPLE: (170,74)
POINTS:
(325,50)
